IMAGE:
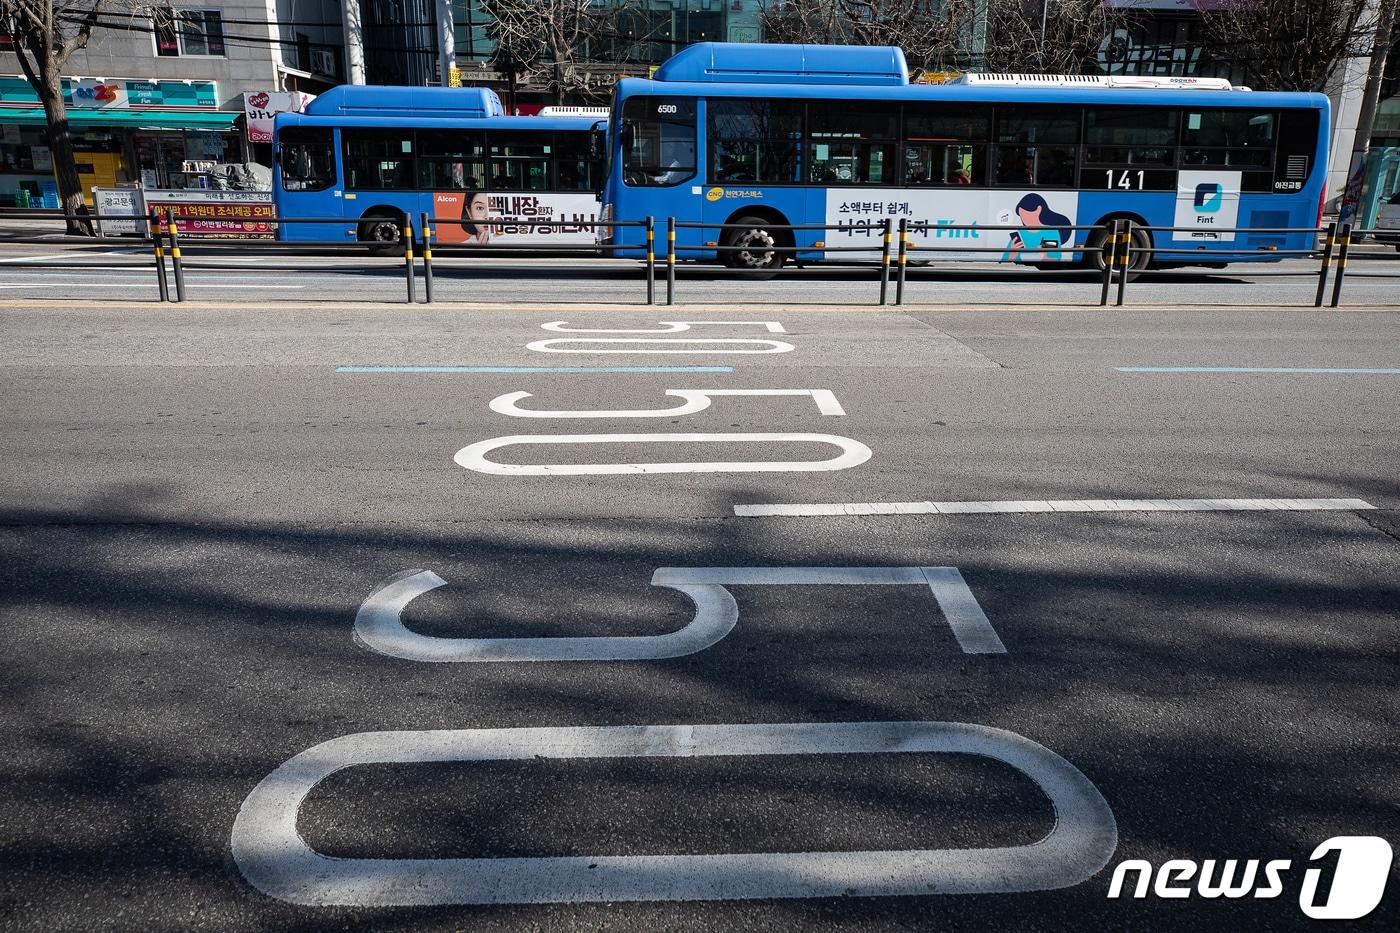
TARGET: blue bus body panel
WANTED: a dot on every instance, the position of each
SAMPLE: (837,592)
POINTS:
(336,201)
(735,62)
(697,200)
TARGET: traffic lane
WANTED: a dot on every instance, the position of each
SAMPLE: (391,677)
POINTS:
(1223,680)
(309,444)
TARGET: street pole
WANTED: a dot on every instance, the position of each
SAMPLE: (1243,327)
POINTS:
(1366,121)
(354,41)
(447,42)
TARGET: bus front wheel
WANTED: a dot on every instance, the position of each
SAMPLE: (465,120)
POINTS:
(1141,252)
(383,232)
(753,246)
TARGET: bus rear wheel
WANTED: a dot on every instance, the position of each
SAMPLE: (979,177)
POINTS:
(754,246)
(1141,253)
(383,232)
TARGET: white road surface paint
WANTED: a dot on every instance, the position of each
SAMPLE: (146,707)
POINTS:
(379,623)
(708,345)
(110,282)
(275,859)
(1052,505)
(378,626)
(473,457)
(667,327)
(695,400)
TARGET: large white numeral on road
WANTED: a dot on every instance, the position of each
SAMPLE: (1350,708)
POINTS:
(667,327)
(473,457)
(694,400)
(379,623)
(275,859)
(709,345)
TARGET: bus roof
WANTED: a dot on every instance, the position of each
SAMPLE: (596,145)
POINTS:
(973,93)
(437,103)
(428,121)
(764,63)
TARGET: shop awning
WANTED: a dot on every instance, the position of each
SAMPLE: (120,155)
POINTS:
(150,119)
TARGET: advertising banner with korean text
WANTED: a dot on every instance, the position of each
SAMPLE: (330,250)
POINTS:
(260,109)
(516,218)
(932,213)
(227,214)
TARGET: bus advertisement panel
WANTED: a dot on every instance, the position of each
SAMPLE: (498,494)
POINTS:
(515,218)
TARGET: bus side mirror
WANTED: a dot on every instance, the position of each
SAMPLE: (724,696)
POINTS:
(597,140)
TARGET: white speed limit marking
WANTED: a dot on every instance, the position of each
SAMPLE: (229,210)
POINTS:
(693,400)
(666,327)
(473,456)
(379,623)
(276,860)
(704,345)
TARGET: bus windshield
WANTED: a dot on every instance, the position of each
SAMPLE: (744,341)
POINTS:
(658,141)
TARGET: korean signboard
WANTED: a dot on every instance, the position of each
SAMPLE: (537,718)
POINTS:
(262,107)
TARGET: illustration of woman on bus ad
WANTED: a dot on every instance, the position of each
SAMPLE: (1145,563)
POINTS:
(1033,245)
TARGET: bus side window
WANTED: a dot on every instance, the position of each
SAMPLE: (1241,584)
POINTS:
(1037,146)
(450,160)
(306,158)
(946,145)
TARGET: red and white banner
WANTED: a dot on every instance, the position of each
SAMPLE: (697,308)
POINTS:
(262,107)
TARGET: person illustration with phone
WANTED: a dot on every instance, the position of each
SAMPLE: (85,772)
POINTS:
(1034,211)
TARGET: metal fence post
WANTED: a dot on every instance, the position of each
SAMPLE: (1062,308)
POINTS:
(175,262)
(408,260)
(651,260)
(903,259)
(1108,253)
(1326,263)
(153,224)
(1341,265)
(670,260)
(427,260)
(1124,252)
(885,258)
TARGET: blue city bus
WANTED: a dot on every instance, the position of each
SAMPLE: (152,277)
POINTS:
(378,156)
(766,135)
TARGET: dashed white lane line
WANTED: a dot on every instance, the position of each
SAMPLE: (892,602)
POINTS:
(1052,505)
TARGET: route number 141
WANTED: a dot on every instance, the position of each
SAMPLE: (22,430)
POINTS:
(1125,179)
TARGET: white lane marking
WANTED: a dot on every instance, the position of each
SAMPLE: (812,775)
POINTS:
(473,456)
(379,627)
(41,258)
(969,623)
(110,282)
(669,327)
(1052,505)
(275,859)
(379,623)
(695,400)
(662,345)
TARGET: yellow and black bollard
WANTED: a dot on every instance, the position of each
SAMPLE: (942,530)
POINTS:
(175,261)
(408,260)
(153,224)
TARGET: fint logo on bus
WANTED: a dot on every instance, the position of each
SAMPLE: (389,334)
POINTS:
(1348,883)
(1209,197)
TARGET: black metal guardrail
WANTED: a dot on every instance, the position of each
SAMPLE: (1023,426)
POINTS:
(170,250)
(432,243)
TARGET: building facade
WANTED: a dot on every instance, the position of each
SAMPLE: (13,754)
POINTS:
(158,98)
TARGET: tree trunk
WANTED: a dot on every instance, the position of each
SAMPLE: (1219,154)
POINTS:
(65,168)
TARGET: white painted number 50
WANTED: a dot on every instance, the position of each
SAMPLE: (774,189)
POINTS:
(694,400)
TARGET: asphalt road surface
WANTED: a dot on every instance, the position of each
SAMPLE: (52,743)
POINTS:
(711,618)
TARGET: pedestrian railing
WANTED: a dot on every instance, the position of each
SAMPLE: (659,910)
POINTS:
(432,243)
(173,255)
(1331,235)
